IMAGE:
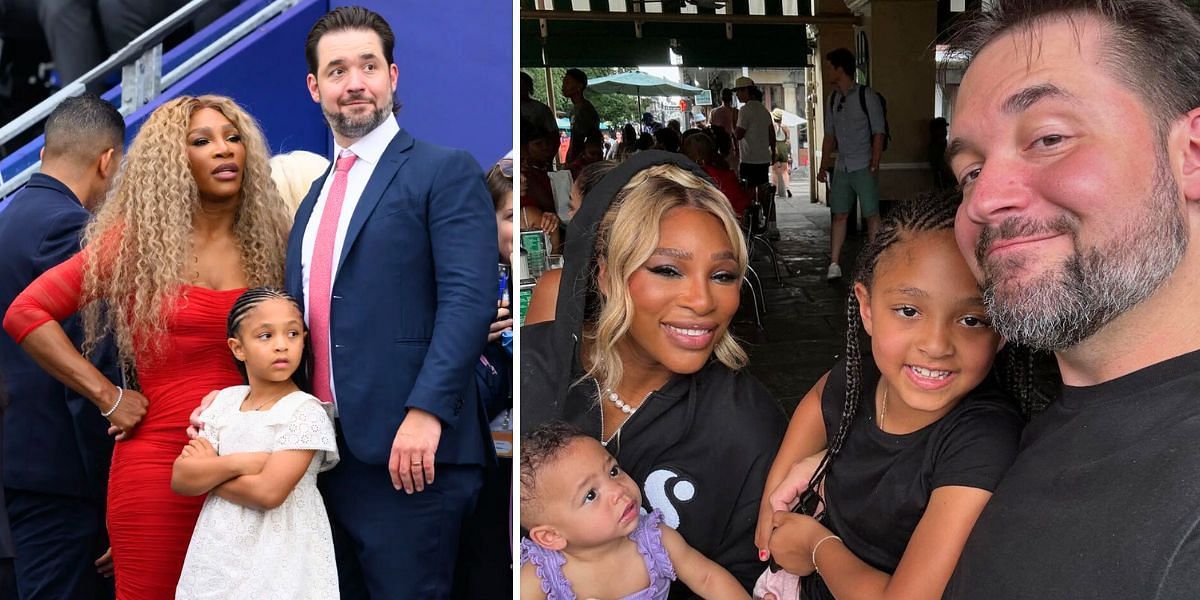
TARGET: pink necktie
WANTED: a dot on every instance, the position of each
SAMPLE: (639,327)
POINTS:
(320,278)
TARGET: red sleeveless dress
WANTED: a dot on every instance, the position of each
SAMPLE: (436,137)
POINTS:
(148,524)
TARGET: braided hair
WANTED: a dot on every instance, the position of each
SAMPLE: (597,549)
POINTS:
(248,301)
(925,213)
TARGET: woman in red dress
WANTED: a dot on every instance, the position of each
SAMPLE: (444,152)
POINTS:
(193,220)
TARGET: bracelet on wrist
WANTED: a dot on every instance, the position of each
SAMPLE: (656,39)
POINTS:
(818,545)
(113,408)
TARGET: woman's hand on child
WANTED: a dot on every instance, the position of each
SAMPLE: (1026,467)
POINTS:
(195,424)
(792,541)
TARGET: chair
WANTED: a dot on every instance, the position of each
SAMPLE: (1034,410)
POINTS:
(755,226)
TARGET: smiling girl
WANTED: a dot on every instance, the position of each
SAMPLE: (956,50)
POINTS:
(640,356)
(917,436)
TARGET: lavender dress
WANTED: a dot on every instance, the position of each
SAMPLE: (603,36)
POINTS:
(648,538)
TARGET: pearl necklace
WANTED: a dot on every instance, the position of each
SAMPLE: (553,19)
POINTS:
(625,408)
(612,396)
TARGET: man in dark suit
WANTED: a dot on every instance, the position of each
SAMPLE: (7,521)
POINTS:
(394,256)
(56,450)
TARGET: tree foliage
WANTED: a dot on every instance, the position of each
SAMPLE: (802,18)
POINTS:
(617,109)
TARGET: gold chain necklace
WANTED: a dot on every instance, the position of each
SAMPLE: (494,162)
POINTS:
(883,411)
(265,402)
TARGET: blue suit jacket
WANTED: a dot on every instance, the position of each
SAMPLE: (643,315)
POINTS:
(414,294)
(55,441)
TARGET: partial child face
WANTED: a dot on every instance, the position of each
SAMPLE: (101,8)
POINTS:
(684,296)
(270,341)
(354,82)
(1071,213)
(930,333)
(216,155)
(586,499)
(504,227)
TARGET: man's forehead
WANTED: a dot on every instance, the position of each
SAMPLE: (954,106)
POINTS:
(1041,45)
(347,44)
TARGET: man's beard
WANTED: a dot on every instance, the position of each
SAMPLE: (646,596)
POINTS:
(354,127)
(1062,307)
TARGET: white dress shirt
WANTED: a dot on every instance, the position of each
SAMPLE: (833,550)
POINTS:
(369,149)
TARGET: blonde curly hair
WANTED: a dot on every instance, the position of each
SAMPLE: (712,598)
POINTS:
(624,243)
(139,242)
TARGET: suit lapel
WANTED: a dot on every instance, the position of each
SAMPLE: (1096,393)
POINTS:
(381,177)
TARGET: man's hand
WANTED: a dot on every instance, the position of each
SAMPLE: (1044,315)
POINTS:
(104,564)
(413,451)
(822,175)
(874,166)
(503,321)
(195,424)
(129,413)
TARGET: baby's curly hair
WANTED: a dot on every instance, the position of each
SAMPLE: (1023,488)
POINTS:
(540,447)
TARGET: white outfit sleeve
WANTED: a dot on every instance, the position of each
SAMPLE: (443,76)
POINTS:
(309,426)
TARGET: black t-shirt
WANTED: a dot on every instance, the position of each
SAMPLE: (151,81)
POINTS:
(879,484)
(1103,499)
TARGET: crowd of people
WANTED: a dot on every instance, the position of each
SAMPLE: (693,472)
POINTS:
(278,428)
(921,465)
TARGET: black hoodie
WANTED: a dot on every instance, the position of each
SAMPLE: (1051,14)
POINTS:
(699,447)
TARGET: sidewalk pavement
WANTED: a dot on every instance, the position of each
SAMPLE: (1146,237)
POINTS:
(803,331)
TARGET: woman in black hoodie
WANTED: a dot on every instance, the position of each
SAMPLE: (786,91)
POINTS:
(641,358)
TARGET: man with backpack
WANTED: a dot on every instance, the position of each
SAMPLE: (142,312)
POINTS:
(856,129)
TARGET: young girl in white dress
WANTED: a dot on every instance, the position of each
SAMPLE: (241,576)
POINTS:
(263,532)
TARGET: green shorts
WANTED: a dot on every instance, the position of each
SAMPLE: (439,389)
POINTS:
(844,187)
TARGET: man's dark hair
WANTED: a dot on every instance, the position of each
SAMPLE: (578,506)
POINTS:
(843,59)
(667,139)
(526,83)
(1151,44)
(577,75)
(345,18)
(82,128)
(727,96)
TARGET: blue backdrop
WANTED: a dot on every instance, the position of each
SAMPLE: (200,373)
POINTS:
(455,62)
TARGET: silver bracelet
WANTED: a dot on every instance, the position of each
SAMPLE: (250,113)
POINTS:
(818,545)
(120,395)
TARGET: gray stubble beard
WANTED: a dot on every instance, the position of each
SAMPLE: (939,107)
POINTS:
(1062,307)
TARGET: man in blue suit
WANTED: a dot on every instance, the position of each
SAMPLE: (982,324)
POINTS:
(56,450)
(393,253)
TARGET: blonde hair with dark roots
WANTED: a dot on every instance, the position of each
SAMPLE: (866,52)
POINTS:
(139,242)
(624,243)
